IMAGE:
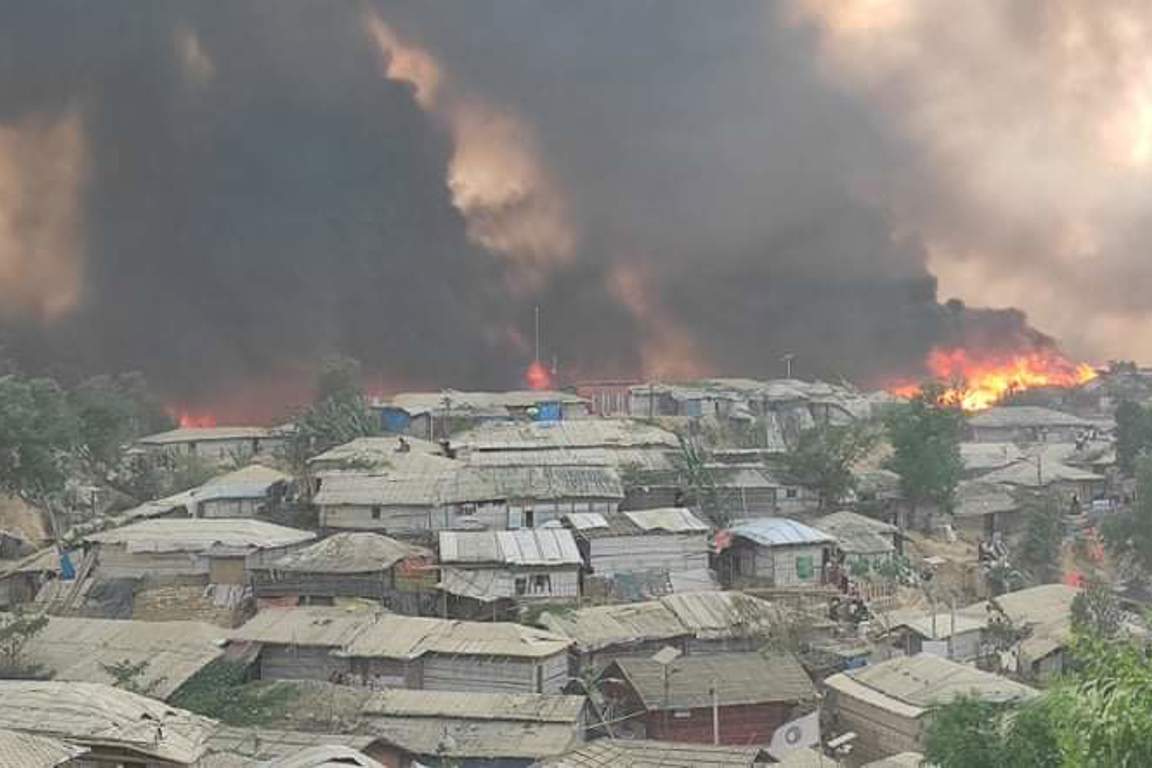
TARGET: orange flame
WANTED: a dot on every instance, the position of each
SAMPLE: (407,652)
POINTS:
(189,419)
(978,382)
(537,376)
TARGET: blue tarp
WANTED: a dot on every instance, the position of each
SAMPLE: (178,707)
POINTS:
(549,412)
(67,570)
(395,420)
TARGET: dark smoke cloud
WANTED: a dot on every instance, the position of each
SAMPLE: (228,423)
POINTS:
(258,195)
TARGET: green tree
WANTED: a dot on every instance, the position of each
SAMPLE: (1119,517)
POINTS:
(824,457)
(1128,533)
(1133,434)
(970,733)
(111,412)
(1096,612)
(925,435)
(965,734)
(339,379)
(339,413)
(1039,550)
(1102,713)
(17,629)
(38,433)
(698,480)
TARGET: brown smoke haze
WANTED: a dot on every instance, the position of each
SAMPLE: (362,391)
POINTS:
(1030,127)
(221,195)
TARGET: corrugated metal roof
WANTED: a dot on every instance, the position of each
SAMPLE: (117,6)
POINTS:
(537,483)
(857,534)
(939,627)
(779,532)
(315,626)
(602,626)
(578,433)
(326,756)
(181,535)
(725,614)
(1046,610)
(23,750)
(388,635)
(538,546)
(369,489)
(530,707)
(583,521)
(1025,416)
(401,454)
(250,482)
(404,637)
(484,584)
(979,457)
(670,519)
(923,681)
(353,552)
(77,649)
(975,498)
(1043,604)
(446,738)
(1026,474)
(208,434)
(460,484)
(482,401)
(620,753)
(705,615)
(740,678)
(268,744)
(91,714)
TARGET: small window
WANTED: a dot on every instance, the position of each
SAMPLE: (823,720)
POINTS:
(521,586)
(376,513)
(529,518)
(542,583)
(791,493)
(467,510)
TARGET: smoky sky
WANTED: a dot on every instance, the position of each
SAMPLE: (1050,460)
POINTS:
(257,195)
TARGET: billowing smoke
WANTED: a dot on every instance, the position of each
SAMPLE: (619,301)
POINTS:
(223,194)
(1029,129)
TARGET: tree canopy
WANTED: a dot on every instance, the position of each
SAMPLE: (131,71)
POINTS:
(824,457)
(338,413)
(1128,533)
(925,435)
(1095,717)
(1133,434)
(38,433)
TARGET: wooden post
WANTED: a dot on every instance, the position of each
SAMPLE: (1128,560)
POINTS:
(715,713)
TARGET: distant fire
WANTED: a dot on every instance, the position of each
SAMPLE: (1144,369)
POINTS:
(186,418)
(538,376)
(979,381)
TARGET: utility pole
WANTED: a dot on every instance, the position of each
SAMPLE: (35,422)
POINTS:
(715,713)
(537,315)
(952,633)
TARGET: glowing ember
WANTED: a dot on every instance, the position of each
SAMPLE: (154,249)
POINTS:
(981,381)
(537,376)
(189,419)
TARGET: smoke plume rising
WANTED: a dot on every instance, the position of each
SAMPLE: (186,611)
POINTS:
(1029,128)
(228,193)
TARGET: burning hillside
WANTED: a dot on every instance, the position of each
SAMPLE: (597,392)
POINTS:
(980,380)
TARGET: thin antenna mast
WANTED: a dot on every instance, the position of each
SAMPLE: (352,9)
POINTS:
(537,358)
